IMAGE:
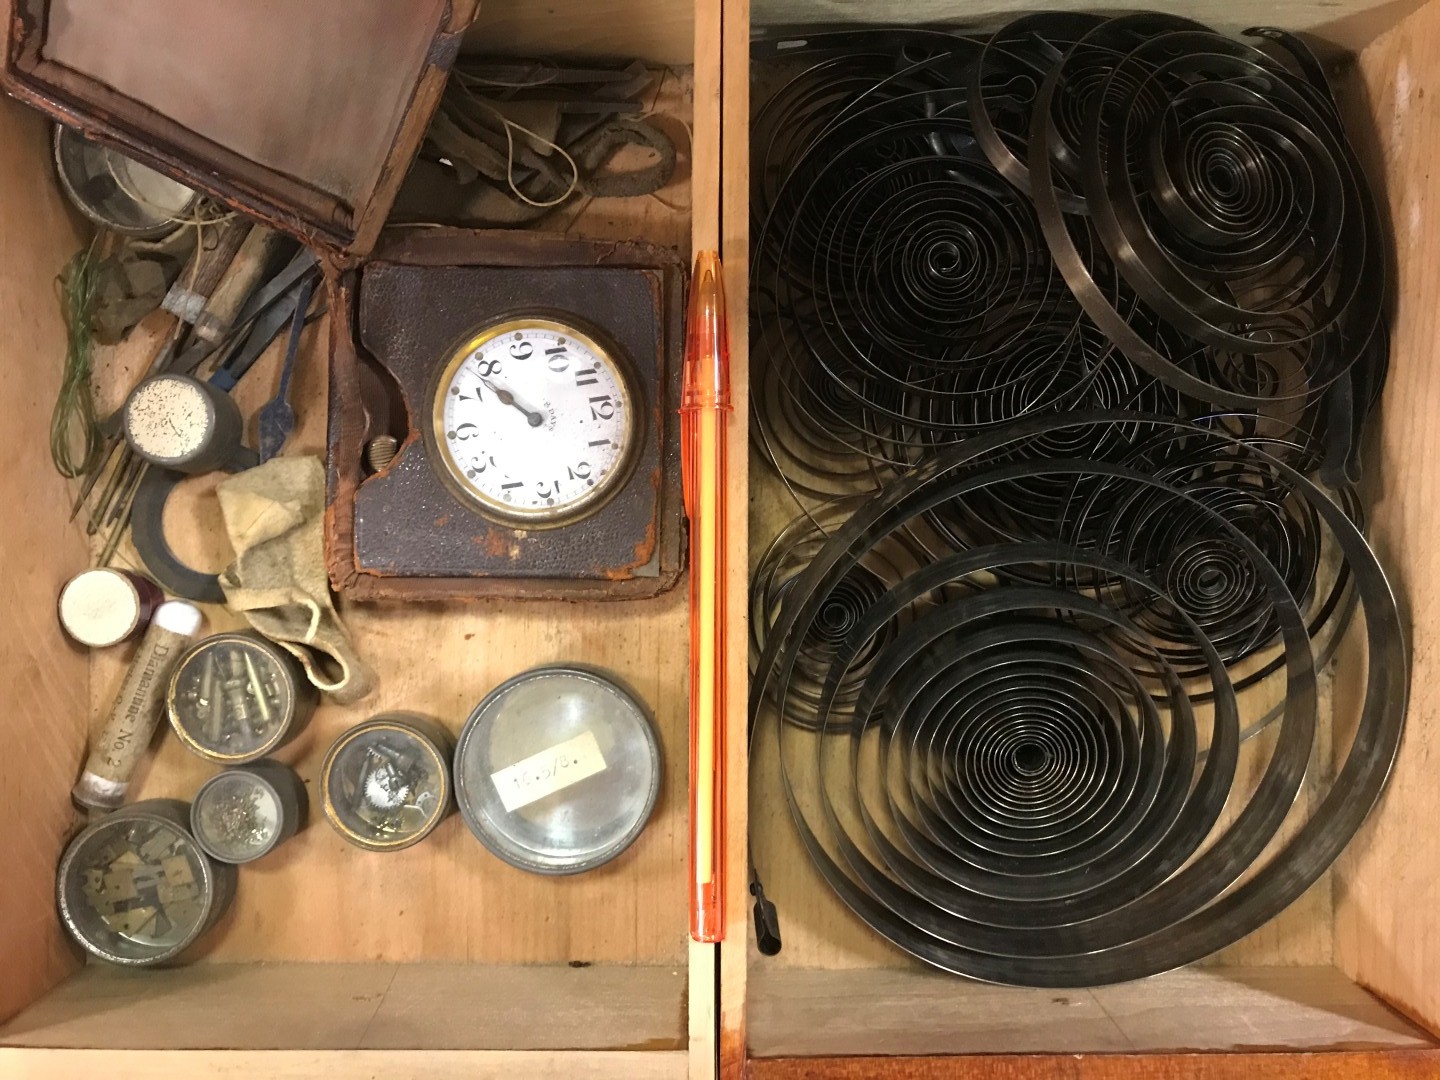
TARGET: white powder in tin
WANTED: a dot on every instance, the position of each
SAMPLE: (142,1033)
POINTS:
(99,608)
(167,417)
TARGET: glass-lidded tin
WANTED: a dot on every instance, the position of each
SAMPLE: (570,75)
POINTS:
(237,697)
(243,813)
(136,889)
(557,770)
(385,784)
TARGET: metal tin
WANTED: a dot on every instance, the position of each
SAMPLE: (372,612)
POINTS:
(117,192)
(385,784)
(185,424)
(237,697)
(136,889)
(105,606)
(558,769)
(248,811)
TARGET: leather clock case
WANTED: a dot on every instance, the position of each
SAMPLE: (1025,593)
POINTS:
(257,103)
(403,534)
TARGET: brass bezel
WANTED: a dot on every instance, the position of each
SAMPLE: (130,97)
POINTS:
(454,476)
(284,666)
(399,727)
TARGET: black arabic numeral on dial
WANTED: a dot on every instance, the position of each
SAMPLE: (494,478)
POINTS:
(547,490)
(522,350)
(486,368)
(558,359)
(586,377)
(464,432)
(602,408)
(580,471)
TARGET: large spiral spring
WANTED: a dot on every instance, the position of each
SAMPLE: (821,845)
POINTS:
(1132,213)
(1201,178)
(1012,776)
(1070,325)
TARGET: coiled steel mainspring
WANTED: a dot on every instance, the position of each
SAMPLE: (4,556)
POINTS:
(1012,759)
(1053,334)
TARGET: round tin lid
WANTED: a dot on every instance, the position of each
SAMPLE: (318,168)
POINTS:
(557,770)
(385,784)
(117,191)
(134,888)
(236,816)
(101,607)
(233,697)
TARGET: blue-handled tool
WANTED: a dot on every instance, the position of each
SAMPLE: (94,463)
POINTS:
(277,416)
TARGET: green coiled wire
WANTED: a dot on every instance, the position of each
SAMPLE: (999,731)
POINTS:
(75,438)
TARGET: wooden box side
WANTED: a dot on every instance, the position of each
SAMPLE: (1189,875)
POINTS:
(46,678)
(1387,885)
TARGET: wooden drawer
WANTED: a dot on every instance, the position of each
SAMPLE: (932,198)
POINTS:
(1344,983)
(437,961)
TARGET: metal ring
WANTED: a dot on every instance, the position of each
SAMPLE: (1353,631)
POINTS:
(147,532)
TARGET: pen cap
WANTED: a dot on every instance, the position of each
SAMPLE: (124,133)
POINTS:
(707,339)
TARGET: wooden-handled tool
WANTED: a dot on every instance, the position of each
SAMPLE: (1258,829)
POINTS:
(136,711)
(246,271)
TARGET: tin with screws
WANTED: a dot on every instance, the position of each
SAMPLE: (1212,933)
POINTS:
(236,697)
(385,784)
(136,889)
(248,811)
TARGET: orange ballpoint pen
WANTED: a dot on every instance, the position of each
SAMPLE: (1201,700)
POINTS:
(704,408)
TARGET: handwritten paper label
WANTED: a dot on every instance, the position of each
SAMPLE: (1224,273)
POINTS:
(549,771)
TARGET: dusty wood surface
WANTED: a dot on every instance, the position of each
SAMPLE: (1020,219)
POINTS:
(1351,22)
(360,1007)
(1399,1065)
(831,1013)
(704,236)
(659,33)
(45,676)
(340,1064)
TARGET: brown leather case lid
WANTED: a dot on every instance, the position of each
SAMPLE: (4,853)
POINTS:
(304,114)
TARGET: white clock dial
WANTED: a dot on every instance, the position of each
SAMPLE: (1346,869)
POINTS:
(535,421)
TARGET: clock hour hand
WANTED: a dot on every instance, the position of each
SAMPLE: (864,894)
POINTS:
(507,398)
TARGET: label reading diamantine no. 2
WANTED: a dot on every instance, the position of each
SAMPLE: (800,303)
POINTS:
(548,771)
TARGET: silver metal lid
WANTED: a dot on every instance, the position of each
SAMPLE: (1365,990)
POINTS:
(557,770)
(119,192)
(237,816)
(135,889)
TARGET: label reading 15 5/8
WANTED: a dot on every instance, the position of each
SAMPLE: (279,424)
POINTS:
(548,771)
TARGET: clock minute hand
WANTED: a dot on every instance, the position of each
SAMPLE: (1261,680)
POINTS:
(507,398)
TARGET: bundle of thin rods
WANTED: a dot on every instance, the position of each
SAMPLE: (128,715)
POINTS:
(1063,340)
